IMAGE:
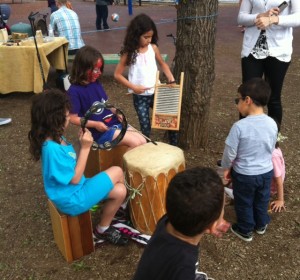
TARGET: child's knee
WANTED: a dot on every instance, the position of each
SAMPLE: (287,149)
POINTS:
(120,191)
(115,174)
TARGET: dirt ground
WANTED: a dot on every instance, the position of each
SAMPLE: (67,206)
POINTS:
(27,247)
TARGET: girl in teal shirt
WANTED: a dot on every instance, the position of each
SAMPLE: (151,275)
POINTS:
(64,181)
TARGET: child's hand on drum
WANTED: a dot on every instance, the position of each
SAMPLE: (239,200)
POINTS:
(85,139)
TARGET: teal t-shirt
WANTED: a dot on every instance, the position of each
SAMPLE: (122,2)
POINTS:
(58,167)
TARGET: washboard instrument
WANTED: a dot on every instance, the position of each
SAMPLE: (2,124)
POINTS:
(167,105)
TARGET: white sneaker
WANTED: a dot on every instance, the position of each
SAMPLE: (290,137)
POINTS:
(5,121)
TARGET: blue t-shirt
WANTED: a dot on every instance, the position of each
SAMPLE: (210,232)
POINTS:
(250,144)
(58,167)
(83,97)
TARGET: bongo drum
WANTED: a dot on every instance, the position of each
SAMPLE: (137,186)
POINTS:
(148,170)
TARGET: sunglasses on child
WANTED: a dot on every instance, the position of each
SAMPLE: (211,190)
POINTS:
(237,100)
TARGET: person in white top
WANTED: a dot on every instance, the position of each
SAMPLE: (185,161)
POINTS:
(140,53)
(267,45)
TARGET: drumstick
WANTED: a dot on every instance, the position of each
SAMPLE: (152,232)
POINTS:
(147,138)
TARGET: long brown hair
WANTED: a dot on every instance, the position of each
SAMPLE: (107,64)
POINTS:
(48,117)
(85,59)
(140,25)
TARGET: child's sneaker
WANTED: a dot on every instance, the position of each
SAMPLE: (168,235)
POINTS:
(244,236)
(202,276)
(112,235)
(261,230)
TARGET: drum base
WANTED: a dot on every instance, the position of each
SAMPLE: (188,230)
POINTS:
(148,208)
(149,170)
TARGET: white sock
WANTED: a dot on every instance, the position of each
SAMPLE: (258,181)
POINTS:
(101,229)
(124,205)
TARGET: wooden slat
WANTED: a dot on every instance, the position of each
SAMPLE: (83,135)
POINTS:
(73,235)
(85,222)
(61,232)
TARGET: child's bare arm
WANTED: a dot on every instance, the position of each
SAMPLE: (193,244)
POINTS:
(122,80)
(278,205)
(163,65)
(86,141)
(100,126)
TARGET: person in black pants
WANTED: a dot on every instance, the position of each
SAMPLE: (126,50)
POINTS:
(267,45)
(102,13)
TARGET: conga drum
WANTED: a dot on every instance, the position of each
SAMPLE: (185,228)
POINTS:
(148,170)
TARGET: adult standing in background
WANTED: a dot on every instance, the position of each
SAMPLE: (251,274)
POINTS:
(267,45)
(102,13)
(65,23)
(52,6)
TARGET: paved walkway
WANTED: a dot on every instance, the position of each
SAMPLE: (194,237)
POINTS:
(229,37)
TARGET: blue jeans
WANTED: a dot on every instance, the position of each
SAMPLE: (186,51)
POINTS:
(251,200)
(142,105)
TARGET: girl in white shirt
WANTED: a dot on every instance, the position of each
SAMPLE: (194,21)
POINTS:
(267,44)
(140,53)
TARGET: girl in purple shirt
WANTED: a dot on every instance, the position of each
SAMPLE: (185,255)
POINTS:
(85,90)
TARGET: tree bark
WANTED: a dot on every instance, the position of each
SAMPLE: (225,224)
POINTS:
(196,30)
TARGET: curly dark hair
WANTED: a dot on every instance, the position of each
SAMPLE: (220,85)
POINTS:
(48,117)
(194,200)
(85,59)
(138,26)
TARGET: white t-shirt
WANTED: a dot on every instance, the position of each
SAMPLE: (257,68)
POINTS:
(143,71)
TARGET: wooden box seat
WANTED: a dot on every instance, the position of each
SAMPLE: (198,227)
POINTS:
(73,235)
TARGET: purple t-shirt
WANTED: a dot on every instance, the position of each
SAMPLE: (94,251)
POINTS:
(83,97)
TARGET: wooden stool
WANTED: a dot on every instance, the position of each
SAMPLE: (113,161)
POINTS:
(100,160)
(73,235)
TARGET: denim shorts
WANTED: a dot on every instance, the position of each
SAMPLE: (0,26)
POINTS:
(93,191)
(109,134)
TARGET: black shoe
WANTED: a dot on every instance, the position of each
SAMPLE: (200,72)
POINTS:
(202,276)
(111,235)
(106,27)
(244,236)
(261,230)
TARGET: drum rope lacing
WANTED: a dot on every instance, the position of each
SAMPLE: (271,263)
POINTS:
(134,191)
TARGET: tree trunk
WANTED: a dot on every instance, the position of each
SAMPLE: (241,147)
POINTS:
(196,30)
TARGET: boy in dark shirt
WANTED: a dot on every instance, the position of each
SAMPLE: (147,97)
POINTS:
(195,205)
